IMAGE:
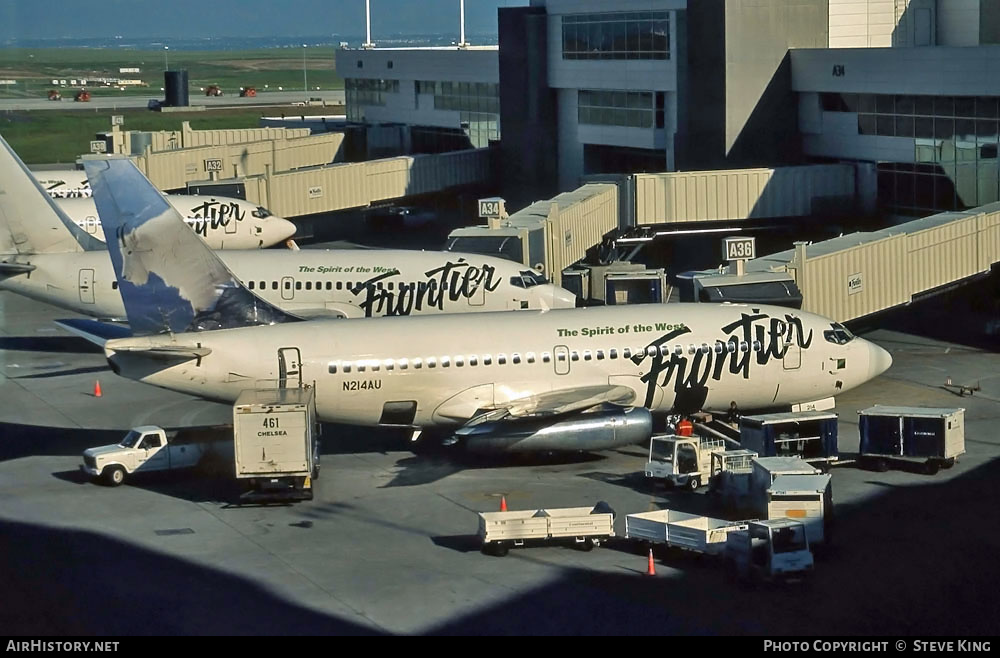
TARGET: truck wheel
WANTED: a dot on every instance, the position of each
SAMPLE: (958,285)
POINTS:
(587,544)
(500,549)
(932,466)
(693,483)
(113,475)
(315,471)
(880,465)
(948,463)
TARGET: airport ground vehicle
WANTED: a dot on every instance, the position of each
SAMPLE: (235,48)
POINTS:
(586,527)
(149,448)
(82,96)
(54,95)
(811,435)
(277,449)
(248,92)
(692,532)
(213,90)
(804,498)
(680,460)
(769,550)
(933,435)
(729,479)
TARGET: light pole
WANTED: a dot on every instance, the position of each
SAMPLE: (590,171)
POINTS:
(166,63)
(305,80)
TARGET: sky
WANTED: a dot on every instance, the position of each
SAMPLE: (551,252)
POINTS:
(36,19)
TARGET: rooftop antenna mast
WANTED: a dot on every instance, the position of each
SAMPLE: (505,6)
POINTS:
(368,26)
(462,43)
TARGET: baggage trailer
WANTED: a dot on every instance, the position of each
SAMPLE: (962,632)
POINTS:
(681,460)
(276,444)
(809,435)
(692,532)
(729,481)
(768,551)
(804,498)
(933,435)
(585,527)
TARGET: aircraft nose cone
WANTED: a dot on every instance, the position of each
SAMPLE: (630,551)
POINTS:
(879,360)
(562,298)
(281,230)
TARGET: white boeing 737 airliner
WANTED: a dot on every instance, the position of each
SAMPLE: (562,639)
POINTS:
(580,379)
(222,223)
(44,256)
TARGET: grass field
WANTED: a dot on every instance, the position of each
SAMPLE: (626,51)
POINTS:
(48,136)
(33,70)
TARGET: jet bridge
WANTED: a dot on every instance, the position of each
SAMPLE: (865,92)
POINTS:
(857,275)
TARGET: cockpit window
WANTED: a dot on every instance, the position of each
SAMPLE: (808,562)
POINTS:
(838,334)
(261,212)
(527,279)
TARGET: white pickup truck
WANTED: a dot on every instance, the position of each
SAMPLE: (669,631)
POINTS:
(149,448)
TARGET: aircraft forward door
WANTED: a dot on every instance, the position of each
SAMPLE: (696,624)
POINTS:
(289,367)
(478,297)
(87,286)
(287,287)
(560,359)
(793,356)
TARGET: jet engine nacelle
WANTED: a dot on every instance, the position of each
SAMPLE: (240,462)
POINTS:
(598,430)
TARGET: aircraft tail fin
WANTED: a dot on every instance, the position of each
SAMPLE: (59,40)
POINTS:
(30,221)
(170,280)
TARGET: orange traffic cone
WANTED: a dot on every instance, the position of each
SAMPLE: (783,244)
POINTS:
(503,503)
(97,389)
(651,567)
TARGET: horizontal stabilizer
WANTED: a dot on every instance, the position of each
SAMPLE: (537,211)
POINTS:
(93,331)
(15,268)
(164,352)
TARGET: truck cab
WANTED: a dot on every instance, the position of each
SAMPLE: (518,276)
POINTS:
(681,460)
(768,551)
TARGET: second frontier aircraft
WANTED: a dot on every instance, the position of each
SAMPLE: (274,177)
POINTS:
(581,379)
(44,256)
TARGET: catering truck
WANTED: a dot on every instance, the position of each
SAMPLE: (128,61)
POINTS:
(277,448)
(148,448)
(932,435)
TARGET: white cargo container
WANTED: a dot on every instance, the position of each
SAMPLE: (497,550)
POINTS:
(277,453)
(766,469)
(804,498)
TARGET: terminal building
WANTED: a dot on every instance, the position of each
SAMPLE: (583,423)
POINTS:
(583,87)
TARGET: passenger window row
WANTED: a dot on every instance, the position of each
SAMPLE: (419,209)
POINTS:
(341,285)
(474,360)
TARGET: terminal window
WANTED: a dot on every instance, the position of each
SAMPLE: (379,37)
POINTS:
(617,35)
(631,109)
(955,142)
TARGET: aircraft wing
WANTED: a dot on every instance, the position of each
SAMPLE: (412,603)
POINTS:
(558,402)
(15,268)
